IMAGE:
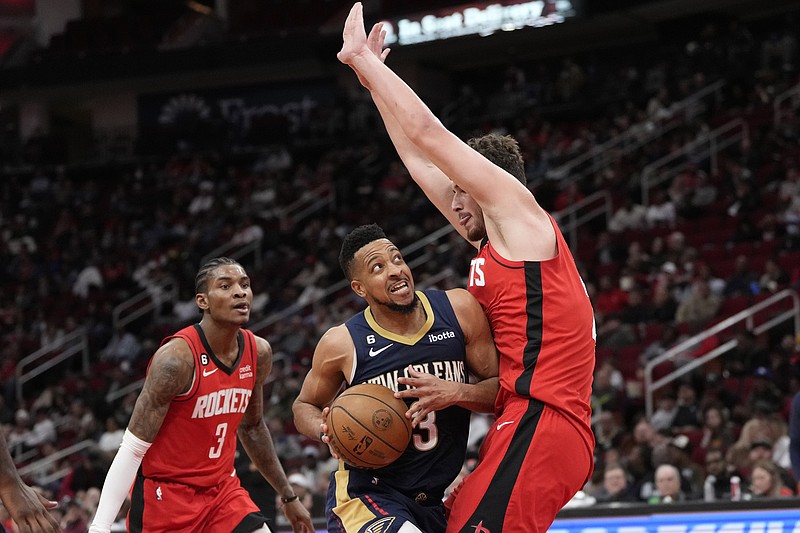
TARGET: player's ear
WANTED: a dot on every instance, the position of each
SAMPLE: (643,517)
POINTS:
(358,288)
(201,300)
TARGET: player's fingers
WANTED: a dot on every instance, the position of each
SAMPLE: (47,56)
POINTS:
(407,393)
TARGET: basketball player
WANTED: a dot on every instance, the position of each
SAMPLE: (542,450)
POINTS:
(424,338)
(27,508)
(539,453)
(203,388)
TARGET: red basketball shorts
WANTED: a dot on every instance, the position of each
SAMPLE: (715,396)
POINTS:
(532,462)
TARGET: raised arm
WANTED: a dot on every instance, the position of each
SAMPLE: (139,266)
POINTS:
(333,359)
(257,442)
(512,214)
(169,375)
(433,394)
(433,182)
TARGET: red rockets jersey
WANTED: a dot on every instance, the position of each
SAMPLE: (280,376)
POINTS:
(197,441)
(543,326)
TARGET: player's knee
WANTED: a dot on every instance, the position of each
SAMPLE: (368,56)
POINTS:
(408,527)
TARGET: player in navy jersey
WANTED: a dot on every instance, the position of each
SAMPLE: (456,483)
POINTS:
(27,508)
(404,338)
(540,452)
(203,388)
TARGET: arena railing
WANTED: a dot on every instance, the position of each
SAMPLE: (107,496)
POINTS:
(145,302)
(581,212)
(633,138)
(705,147)
(74,343)
(792,95)
(750,319)
(34,469)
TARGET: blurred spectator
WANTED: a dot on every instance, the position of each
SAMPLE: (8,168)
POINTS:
(764,394)
(89,278)
(666,409)
(748,354)
(668,485)
(766,482)
(110,438)
(87,470)
(610,297)
(629,216)
(616,487)
(699,306)
(687,415)
(44,429)
(717,483)
(717,432)
(123,347)
(743,281)
(670,336)
(663,305)
(609,431)
(75,518)
(620,329)
(661,211)
(692,474)
(774,277)
(19,436)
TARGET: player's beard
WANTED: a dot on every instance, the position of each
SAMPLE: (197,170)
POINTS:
(406,309)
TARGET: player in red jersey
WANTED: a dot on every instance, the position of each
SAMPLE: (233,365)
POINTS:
(203,388)
(539,452)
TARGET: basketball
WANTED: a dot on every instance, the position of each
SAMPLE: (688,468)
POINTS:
(367,426)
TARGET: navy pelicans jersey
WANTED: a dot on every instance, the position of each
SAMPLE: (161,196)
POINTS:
(435,454)
(197,441)
(543,326)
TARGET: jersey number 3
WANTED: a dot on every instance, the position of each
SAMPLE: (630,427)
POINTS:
(222,430)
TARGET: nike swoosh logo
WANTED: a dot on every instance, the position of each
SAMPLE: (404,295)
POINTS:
(207,373)
(504,424)
(373,352)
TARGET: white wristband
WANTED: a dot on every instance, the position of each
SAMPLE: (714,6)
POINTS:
(118,481)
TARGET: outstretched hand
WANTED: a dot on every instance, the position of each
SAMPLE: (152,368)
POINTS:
(354,37)
(29,510)
(354,41)
(432,394)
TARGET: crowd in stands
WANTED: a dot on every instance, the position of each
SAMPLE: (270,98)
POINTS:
(77,241)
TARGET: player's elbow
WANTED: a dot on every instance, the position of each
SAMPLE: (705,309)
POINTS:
(425,130)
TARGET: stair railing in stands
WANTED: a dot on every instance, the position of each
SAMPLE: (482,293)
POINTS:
(35,468)
(745,318)
(581,212)
(706,146)
(75,343)
(634,137)
(793,95)
(236,250)
(144,302)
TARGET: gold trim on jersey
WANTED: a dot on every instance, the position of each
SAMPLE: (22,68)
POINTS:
(411,339)
(351,511)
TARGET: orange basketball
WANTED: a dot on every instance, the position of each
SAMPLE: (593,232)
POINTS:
(367,426)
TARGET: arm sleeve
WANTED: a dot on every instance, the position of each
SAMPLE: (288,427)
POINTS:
(118,481)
